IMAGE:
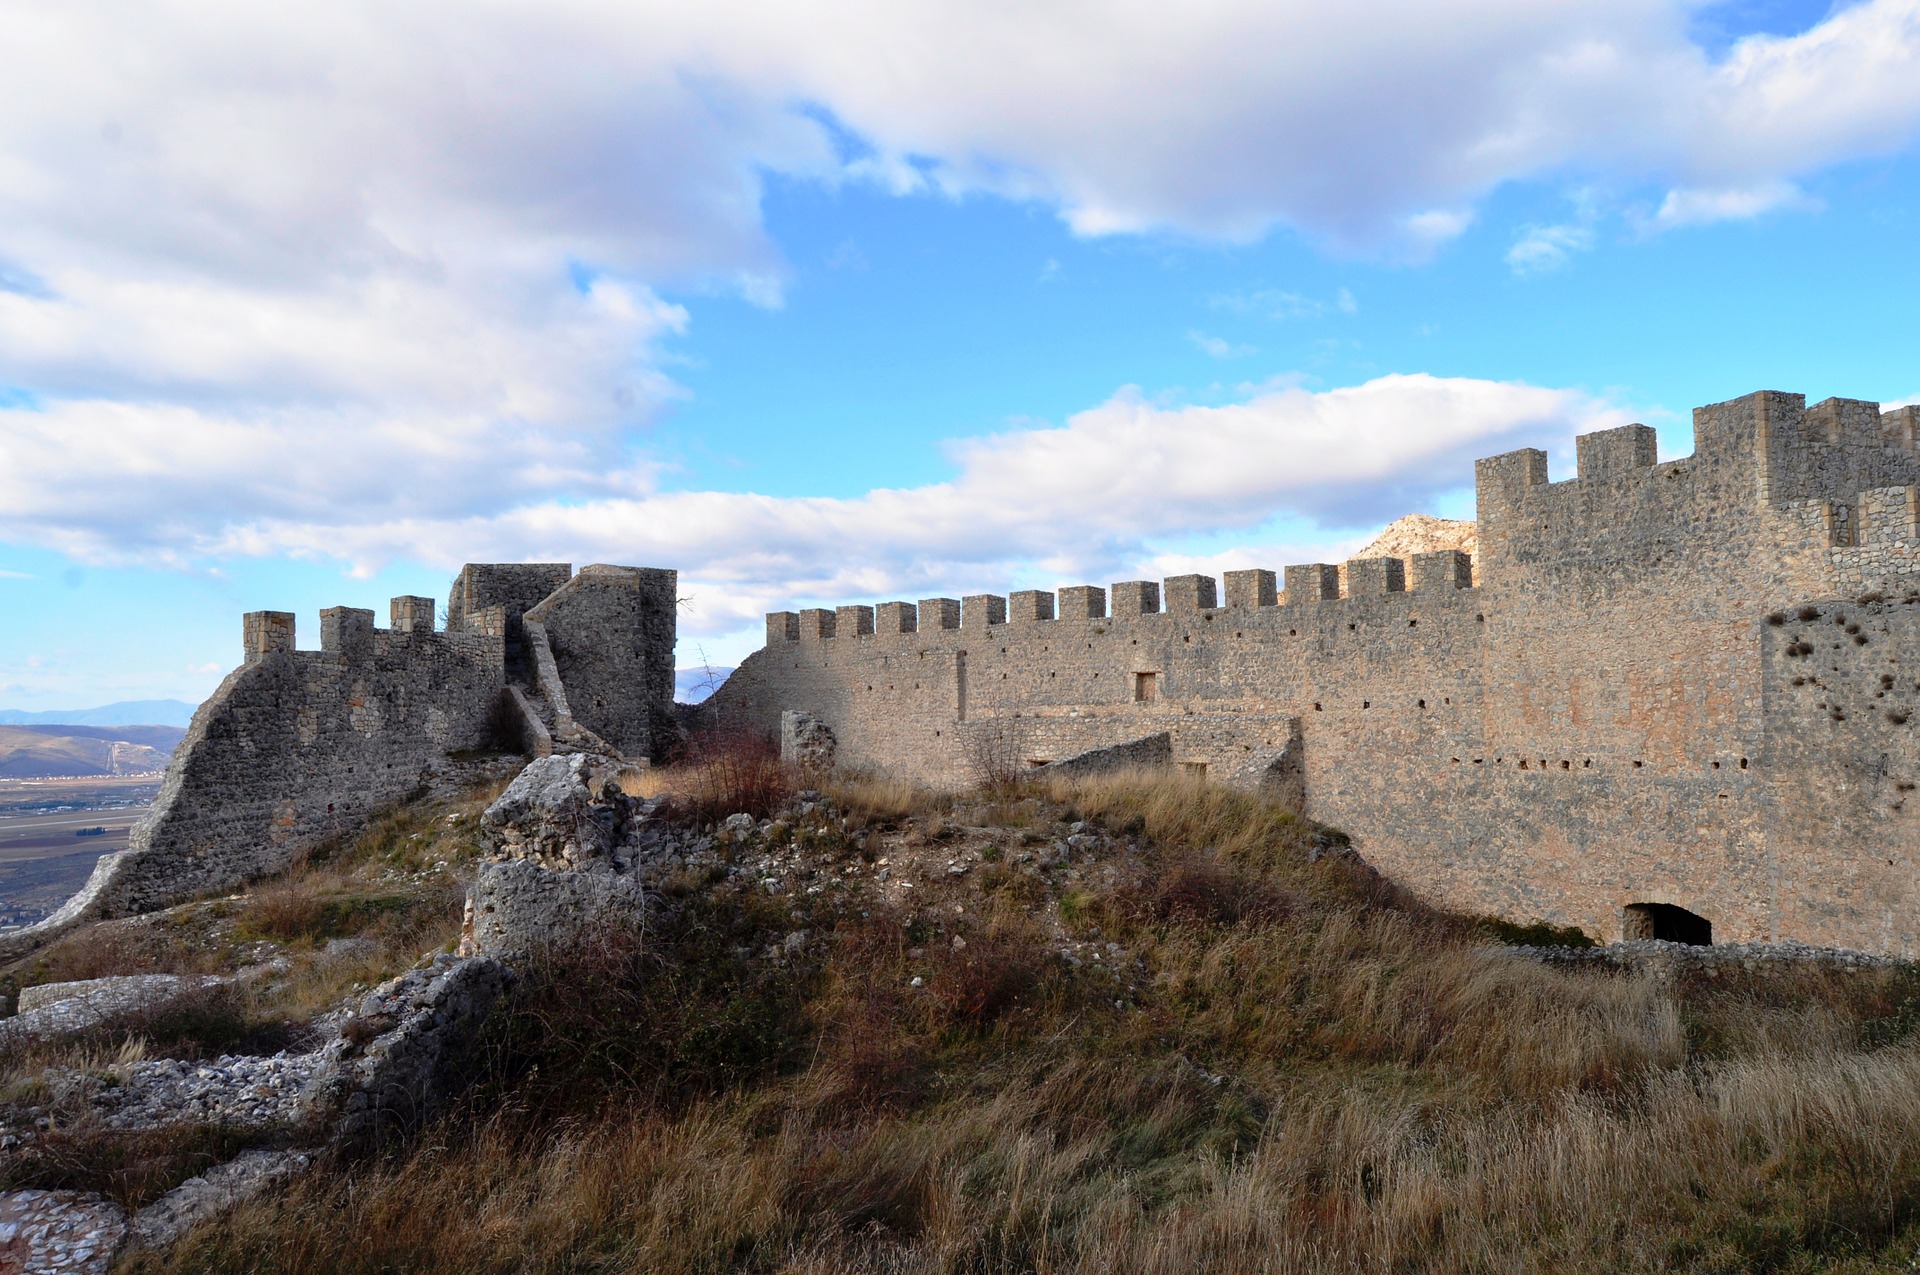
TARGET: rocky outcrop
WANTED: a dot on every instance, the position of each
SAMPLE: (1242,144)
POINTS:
(549,814)
(521,910)
(1423,533)
(51,1011)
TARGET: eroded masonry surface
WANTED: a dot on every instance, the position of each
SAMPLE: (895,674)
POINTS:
(1659,689)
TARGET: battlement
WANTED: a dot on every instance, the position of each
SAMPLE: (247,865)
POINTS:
(1769,445)
(1250,590)
(265,633)
(349,632)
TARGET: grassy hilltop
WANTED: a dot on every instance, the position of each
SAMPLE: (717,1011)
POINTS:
(1203,1038)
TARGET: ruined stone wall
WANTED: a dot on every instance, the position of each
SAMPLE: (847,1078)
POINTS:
(296,747)
(610,634)
(1582,723)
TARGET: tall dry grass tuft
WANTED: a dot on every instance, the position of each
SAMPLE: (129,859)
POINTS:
(877,799)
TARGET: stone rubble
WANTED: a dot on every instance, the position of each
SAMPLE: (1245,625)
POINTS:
(59,1233)
(246,1091)
(1661,956)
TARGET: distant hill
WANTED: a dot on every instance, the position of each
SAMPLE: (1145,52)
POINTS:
(131,712)
(38,751)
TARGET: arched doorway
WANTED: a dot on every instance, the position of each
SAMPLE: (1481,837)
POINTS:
(1666,922)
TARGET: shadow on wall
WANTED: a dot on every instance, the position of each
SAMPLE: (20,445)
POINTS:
(1667,923)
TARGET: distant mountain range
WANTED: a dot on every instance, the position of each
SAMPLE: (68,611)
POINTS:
(691,685)
(71,751)
(130,712)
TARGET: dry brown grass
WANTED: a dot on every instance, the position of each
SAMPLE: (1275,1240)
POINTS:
(1314,1073)
(878,799)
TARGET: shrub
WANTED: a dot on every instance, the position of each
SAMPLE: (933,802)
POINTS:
(1198,889)
(996,752)
(725,771)
(974,985)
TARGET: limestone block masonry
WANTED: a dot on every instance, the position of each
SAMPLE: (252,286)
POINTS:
(1692,683)
(298,747)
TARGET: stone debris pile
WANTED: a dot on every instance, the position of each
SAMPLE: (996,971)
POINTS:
(245,1091)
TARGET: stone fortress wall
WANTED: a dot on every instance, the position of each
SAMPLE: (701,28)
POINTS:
(1598,713)
(298,747)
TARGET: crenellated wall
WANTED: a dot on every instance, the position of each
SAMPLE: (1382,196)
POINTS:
(1582,722)
(298,747)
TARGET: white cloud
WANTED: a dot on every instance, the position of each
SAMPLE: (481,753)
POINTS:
(1219,347)
(1086,498)
(1703,207)
(1546,248)
(1427,231)
(361,280)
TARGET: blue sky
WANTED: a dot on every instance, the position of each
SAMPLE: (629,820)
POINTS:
(866,302)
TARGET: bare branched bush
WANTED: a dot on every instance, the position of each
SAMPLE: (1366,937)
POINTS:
(996,752)
(725,771)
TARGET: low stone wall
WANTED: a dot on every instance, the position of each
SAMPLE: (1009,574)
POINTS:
(405,1053)
(1154,752)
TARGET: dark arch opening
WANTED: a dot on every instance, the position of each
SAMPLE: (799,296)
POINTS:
(1668,923)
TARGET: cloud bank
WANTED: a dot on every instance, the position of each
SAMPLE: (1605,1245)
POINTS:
(1091,497)
(363,281)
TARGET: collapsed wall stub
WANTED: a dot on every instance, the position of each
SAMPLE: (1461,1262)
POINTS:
(1589,711)
(298,747)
